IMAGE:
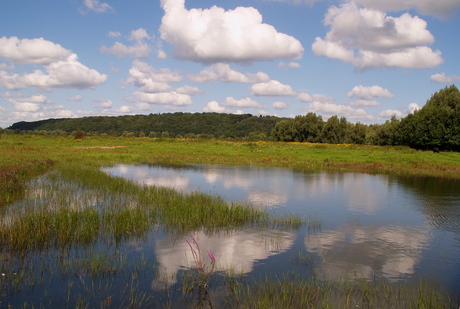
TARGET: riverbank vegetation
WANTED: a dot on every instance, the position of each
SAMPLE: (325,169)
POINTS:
(62,218)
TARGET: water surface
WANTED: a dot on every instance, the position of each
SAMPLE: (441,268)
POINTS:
(396,228)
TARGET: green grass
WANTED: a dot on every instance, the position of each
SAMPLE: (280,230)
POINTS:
(295,292)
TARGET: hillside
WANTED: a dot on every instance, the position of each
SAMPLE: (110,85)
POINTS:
(157,125)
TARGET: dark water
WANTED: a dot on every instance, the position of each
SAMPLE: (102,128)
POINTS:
(396,228)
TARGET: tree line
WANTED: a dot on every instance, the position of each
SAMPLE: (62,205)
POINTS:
(436,125)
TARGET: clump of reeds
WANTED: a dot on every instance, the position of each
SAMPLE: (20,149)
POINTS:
(294,292)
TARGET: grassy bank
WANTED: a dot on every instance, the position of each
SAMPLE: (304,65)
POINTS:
(110,150)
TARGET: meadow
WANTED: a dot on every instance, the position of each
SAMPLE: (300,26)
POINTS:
(58,208)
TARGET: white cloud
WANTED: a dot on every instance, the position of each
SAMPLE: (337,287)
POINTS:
(391,112)
(32,111)
(369,38)
(223,73)
(440,8)
(63,74)
(141,74)
(139,34)
(142,106)
(243,103)
(105,104)
(364,103)
(62,67)
(76,98)
(280,105)
(216,35)
(367,93)
(125,109)
(164,98)
(29,104)
(443,78)
(330,109)
(272,88)
(139,50)
(114,34)
(190,90)
(291,65)
(413,107)
(214,107)
(305,97)
(32,51)
(97,6)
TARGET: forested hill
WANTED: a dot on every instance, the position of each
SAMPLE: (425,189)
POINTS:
(160,125)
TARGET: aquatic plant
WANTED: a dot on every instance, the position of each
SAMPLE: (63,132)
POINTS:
(204,270)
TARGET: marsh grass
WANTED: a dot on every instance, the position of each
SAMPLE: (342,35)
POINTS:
(290,291)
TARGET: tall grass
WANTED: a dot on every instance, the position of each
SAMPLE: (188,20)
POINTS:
(294,292)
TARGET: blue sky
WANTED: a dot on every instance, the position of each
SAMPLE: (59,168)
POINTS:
(365,59)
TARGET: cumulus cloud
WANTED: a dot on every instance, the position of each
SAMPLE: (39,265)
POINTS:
(114,34)
(305,97)
(392,112)
(190,90)
(76,98)
(33,108)
(223,73)
(369,38)
(443,78)
(214,107)
(140,49)
(97,6)
(367,93)
(413,107)
(216,35)
(243,103)
(279,105)
(364,103)
(331,109)
(68,73)
(29,104)
(63,70)
(164,98)
(105,103)
(440,8)
(32,51)
(272,88)
(142,73)
(290,65)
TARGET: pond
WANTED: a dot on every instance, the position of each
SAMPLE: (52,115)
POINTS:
(358,227)
(367,226)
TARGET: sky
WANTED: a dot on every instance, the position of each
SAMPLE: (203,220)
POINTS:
(365,60)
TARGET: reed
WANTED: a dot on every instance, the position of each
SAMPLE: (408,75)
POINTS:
(295,292)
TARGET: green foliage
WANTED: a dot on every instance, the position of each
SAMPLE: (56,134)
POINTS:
(174,124)
(436,125)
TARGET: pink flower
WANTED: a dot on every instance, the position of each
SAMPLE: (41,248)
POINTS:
(211,256)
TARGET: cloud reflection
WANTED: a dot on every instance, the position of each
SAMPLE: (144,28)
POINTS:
(363,251)
(237,252)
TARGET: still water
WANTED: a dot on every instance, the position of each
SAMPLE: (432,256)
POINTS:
(396,228)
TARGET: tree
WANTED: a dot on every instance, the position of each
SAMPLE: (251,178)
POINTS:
(436,125)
